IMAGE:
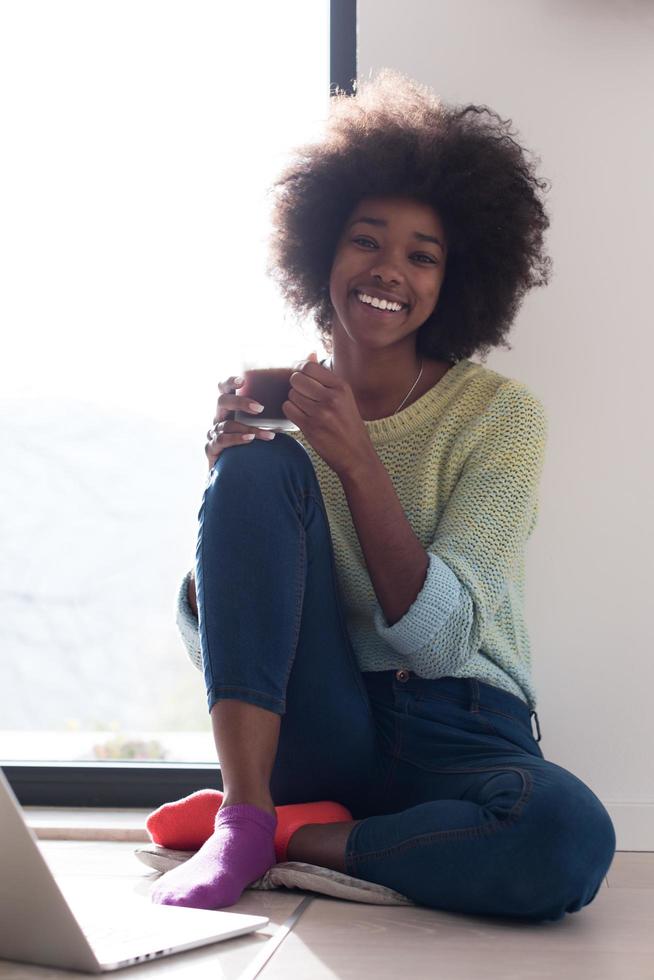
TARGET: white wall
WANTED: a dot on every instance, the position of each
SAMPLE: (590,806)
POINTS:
(577,79)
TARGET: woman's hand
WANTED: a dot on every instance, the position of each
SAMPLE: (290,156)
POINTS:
(323,408)
(225,431)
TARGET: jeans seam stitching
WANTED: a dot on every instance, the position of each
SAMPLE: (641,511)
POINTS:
(358,679)
(245,690)
(462,704)
(461,832)
(298,615)
(203,631)
(395,755)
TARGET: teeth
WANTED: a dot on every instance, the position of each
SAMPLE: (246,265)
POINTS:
(379,304)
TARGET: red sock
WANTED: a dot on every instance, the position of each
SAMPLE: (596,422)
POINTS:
(184,825)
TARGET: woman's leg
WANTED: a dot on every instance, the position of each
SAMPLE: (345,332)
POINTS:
(288,705)
(457,807)
(246,739)
(487,825)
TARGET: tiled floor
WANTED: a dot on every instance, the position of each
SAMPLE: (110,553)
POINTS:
(611,939)
(108,872)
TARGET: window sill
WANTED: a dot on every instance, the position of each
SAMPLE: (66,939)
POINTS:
(87,823)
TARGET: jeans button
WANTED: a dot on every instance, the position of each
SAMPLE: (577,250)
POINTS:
(402,675)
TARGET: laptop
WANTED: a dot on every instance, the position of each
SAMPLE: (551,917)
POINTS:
(38,925)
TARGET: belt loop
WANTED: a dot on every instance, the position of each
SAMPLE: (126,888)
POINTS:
(535,714)
(474,695)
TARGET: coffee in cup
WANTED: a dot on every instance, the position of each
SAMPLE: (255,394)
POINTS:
(270,387)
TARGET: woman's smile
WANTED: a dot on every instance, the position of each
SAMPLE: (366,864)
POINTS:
(375,312)
(391,252)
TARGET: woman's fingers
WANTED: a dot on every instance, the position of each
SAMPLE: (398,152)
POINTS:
(231,384)
(228,402)
(219,439)
(220,430)
(225,431)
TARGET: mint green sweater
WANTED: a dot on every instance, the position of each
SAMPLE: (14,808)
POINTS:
(465,460)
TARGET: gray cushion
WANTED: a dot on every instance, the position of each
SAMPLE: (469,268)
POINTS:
(289,874)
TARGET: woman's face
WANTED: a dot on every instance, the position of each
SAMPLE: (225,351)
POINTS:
(392,246)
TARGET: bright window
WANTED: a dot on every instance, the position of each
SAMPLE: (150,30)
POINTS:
(140,139)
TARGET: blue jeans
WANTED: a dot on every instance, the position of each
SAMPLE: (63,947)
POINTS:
(459,809)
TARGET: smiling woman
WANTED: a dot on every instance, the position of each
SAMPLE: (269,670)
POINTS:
(385,544)
(478,212)
(373,346)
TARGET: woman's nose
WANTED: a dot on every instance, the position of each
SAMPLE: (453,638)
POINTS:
(386,272)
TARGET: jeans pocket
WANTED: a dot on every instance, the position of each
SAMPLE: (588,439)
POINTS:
(453,713)
(454,721)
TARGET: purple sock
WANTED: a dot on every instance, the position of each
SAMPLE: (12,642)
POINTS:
(240,850)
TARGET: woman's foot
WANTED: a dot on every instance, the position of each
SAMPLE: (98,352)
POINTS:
(240,851)
(185,825)
(322,844)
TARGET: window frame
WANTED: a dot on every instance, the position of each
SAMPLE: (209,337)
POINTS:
(149,784)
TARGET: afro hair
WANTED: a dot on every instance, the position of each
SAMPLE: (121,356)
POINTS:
(394,137)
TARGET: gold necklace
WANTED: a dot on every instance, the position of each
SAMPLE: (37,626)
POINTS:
(331,368)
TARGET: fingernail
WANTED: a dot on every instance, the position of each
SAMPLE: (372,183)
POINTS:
(239,381)
(267,435)
(256,407)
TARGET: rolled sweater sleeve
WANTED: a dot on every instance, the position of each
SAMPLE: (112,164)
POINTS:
(480,537)
(187,624)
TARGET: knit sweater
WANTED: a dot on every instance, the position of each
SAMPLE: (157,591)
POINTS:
(465,460)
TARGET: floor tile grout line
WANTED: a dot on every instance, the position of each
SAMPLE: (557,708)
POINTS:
(254,968)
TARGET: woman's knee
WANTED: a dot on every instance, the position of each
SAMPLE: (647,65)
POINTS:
(587,849)
(573,844)
(276,455)
(255,480)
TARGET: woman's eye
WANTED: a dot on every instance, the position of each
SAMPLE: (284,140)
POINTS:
(420,255)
